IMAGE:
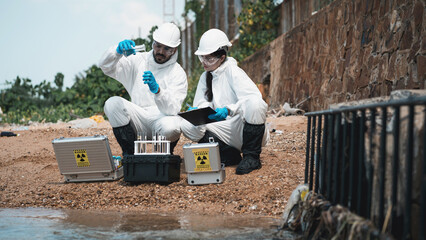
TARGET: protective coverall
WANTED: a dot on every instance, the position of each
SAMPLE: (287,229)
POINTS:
(148,113)
(232,88)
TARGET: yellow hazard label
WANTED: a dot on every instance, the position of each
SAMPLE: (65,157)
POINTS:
(81,158)
(202,160)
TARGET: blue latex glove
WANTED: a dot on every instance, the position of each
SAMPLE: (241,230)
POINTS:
(126,47)
(191,108)
(221,113)
(149,79)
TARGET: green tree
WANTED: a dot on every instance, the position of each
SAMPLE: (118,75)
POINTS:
(92,90)
(21,94)
(258,21)
(59,81)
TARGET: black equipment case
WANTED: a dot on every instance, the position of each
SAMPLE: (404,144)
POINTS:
(163,169)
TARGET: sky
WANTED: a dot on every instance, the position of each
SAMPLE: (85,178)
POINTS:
(39,38)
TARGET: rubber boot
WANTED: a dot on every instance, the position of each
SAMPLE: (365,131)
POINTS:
(252,146)
(228,155)
(126,136)
(173,145)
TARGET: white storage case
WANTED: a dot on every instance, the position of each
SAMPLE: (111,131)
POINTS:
(202,163)
(85,159)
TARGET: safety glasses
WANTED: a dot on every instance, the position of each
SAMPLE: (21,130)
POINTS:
(208,59)
(160,48)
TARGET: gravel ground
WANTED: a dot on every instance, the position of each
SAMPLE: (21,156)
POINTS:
(29,176)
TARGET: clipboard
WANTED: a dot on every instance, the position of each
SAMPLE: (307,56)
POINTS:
(198,116)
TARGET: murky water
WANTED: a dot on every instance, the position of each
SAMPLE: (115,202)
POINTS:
(40,223)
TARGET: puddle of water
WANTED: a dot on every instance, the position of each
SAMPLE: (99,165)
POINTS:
(40,223)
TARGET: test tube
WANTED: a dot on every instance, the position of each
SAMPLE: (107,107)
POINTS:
(144,143)
(138,144)
(162,144)
(154,142)
(159,143)
(138,48)
(157,146)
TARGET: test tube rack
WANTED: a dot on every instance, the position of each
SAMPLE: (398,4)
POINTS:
(152,147)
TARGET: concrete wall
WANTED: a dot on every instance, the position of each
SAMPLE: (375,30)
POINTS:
(349,50)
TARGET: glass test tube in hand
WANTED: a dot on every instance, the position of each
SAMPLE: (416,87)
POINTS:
(138,48)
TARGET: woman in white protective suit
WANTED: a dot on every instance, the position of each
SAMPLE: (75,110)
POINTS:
(156,83)
(226,88)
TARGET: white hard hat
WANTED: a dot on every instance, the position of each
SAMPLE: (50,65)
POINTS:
(211,41)
(167,34)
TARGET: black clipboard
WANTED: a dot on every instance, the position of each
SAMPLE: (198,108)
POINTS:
(198,116)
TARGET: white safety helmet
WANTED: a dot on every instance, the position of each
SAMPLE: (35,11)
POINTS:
(167,34)
(211,41)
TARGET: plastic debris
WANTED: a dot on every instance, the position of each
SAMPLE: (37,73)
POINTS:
(83,123)
(97,118)
(292,111)
(22,128)
(8,134)
(291,209)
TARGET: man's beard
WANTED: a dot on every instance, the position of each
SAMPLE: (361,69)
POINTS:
(165,59)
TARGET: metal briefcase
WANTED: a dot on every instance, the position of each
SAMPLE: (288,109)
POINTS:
(82,159)
(202,163)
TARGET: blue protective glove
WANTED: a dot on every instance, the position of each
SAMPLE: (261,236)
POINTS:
(221,113)
(149,79)
(192,108)
(126,47)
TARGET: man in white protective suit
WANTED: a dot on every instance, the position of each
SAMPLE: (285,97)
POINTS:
(240,109)
(157,86)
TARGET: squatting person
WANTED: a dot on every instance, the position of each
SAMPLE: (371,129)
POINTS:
(226,88)
(156,83)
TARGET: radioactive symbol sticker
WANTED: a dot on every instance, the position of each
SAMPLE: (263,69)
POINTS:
(81,158)
(202,160)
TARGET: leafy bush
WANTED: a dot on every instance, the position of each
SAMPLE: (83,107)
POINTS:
(22,102)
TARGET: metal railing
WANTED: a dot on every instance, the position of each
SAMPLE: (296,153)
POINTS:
(371,159)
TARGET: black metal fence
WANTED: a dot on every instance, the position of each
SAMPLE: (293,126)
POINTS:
(371,159)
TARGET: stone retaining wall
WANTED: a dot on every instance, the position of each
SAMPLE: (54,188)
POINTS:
(349,50)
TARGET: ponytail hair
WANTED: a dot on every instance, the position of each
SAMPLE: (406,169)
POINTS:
(209,77)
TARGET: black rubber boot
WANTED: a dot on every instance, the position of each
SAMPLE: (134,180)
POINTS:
(173,145)
(126,136)
(228,155)
(252,146)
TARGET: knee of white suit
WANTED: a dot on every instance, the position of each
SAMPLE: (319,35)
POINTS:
(254,110)
(194,133)
(168,126)
(116,112)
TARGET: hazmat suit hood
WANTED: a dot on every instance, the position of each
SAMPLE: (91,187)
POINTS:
(229,62)
(154,64)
